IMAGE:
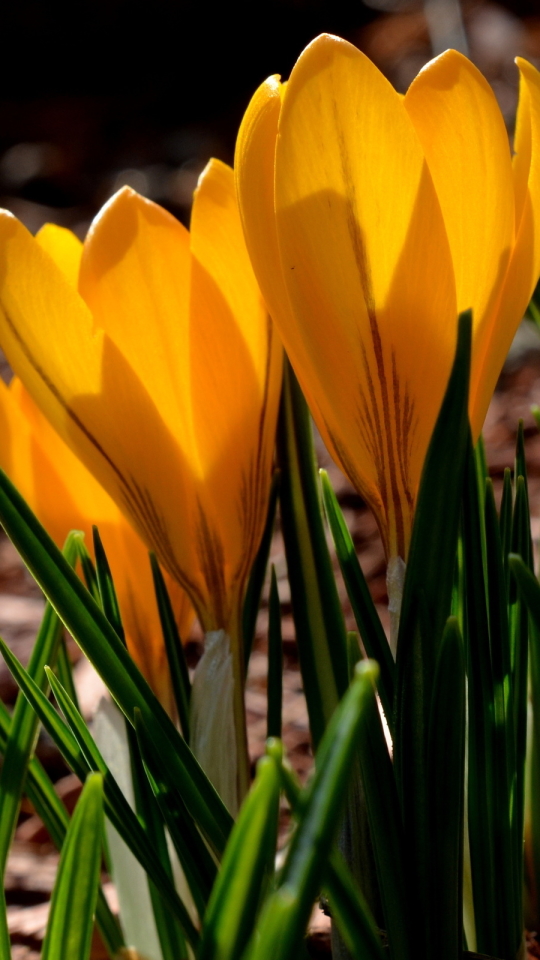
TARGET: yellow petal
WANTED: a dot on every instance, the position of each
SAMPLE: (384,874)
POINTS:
(367,266)
(92,396)
(524,268)
(65,496)
(64,248)
(521,161)
(463,135)
(236,373)
(135,277)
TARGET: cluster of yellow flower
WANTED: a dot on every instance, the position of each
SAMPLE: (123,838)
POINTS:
(147,354)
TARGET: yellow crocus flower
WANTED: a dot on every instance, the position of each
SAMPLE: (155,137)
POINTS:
(156,361)
(372,219)
(65,496)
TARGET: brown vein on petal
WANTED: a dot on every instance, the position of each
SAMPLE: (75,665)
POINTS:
(383,426)
(140,504)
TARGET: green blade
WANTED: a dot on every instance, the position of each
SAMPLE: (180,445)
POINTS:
(320,628)
(107,591)
(284,918)
(425,608)
(117,808)
(171,939)
(196,860)
(504,755)
(96,762)
(247,866)
(176,659)
(23,732)
(101,644)
(88,570)
(349,907)
(371,630)
(446,764)
(275,661)
(71,918)
(49,807)
(519,653)
(481,741)
(258,573)
(505,519)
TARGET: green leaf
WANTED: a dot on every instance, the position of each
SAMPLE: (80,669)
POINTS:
(445,778)
(23,733)
(349,907)
(258,572)
(247,866)
(371,630)
(107,591)
(176,660)
(275,661)
(71,919)
(88,569)
(197,863)
(426,605)
(504,755)
(117,808)
(519,656)
(64,670)
(320,628)
(171,939)
(505,519)
(481,761)
(49,807)
(101,644)
(287,911)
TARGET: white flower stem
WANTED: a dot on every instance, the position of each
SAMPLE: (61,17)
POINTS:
(395,578)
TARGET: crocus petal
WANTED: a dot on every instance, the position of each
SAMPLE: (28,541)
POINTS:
(521,161)
(492,346)
(134,276)
(362,239)
(463,135)
(78,376)
(65,496)
(236,360)
(64,248)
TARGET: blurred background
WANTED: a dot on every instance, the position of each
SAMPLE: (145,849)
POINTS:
(101,93)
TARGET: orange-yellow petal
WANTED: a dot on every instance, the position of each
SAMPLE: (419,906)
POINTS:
(65,496)
(463,135)
(235,359)
(64,248)
(367,266)
(523,272)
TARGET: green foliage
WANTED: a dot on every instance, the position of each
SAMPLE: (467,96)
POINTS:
(449,744)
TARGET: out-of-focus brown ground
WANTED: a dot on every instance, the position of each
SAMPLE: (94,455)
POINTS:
(32,864)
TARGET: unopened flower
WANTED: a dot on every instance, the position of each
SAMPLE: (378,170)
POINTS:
(372,219)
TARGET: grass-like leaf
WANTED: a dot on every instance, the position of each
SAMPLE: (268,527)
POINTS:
(176,660)
(320,628)
(101,644)
(275,661)
(117,808)
(284,918)
(258,572)
(71,918)
(246,869)
(371,630)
